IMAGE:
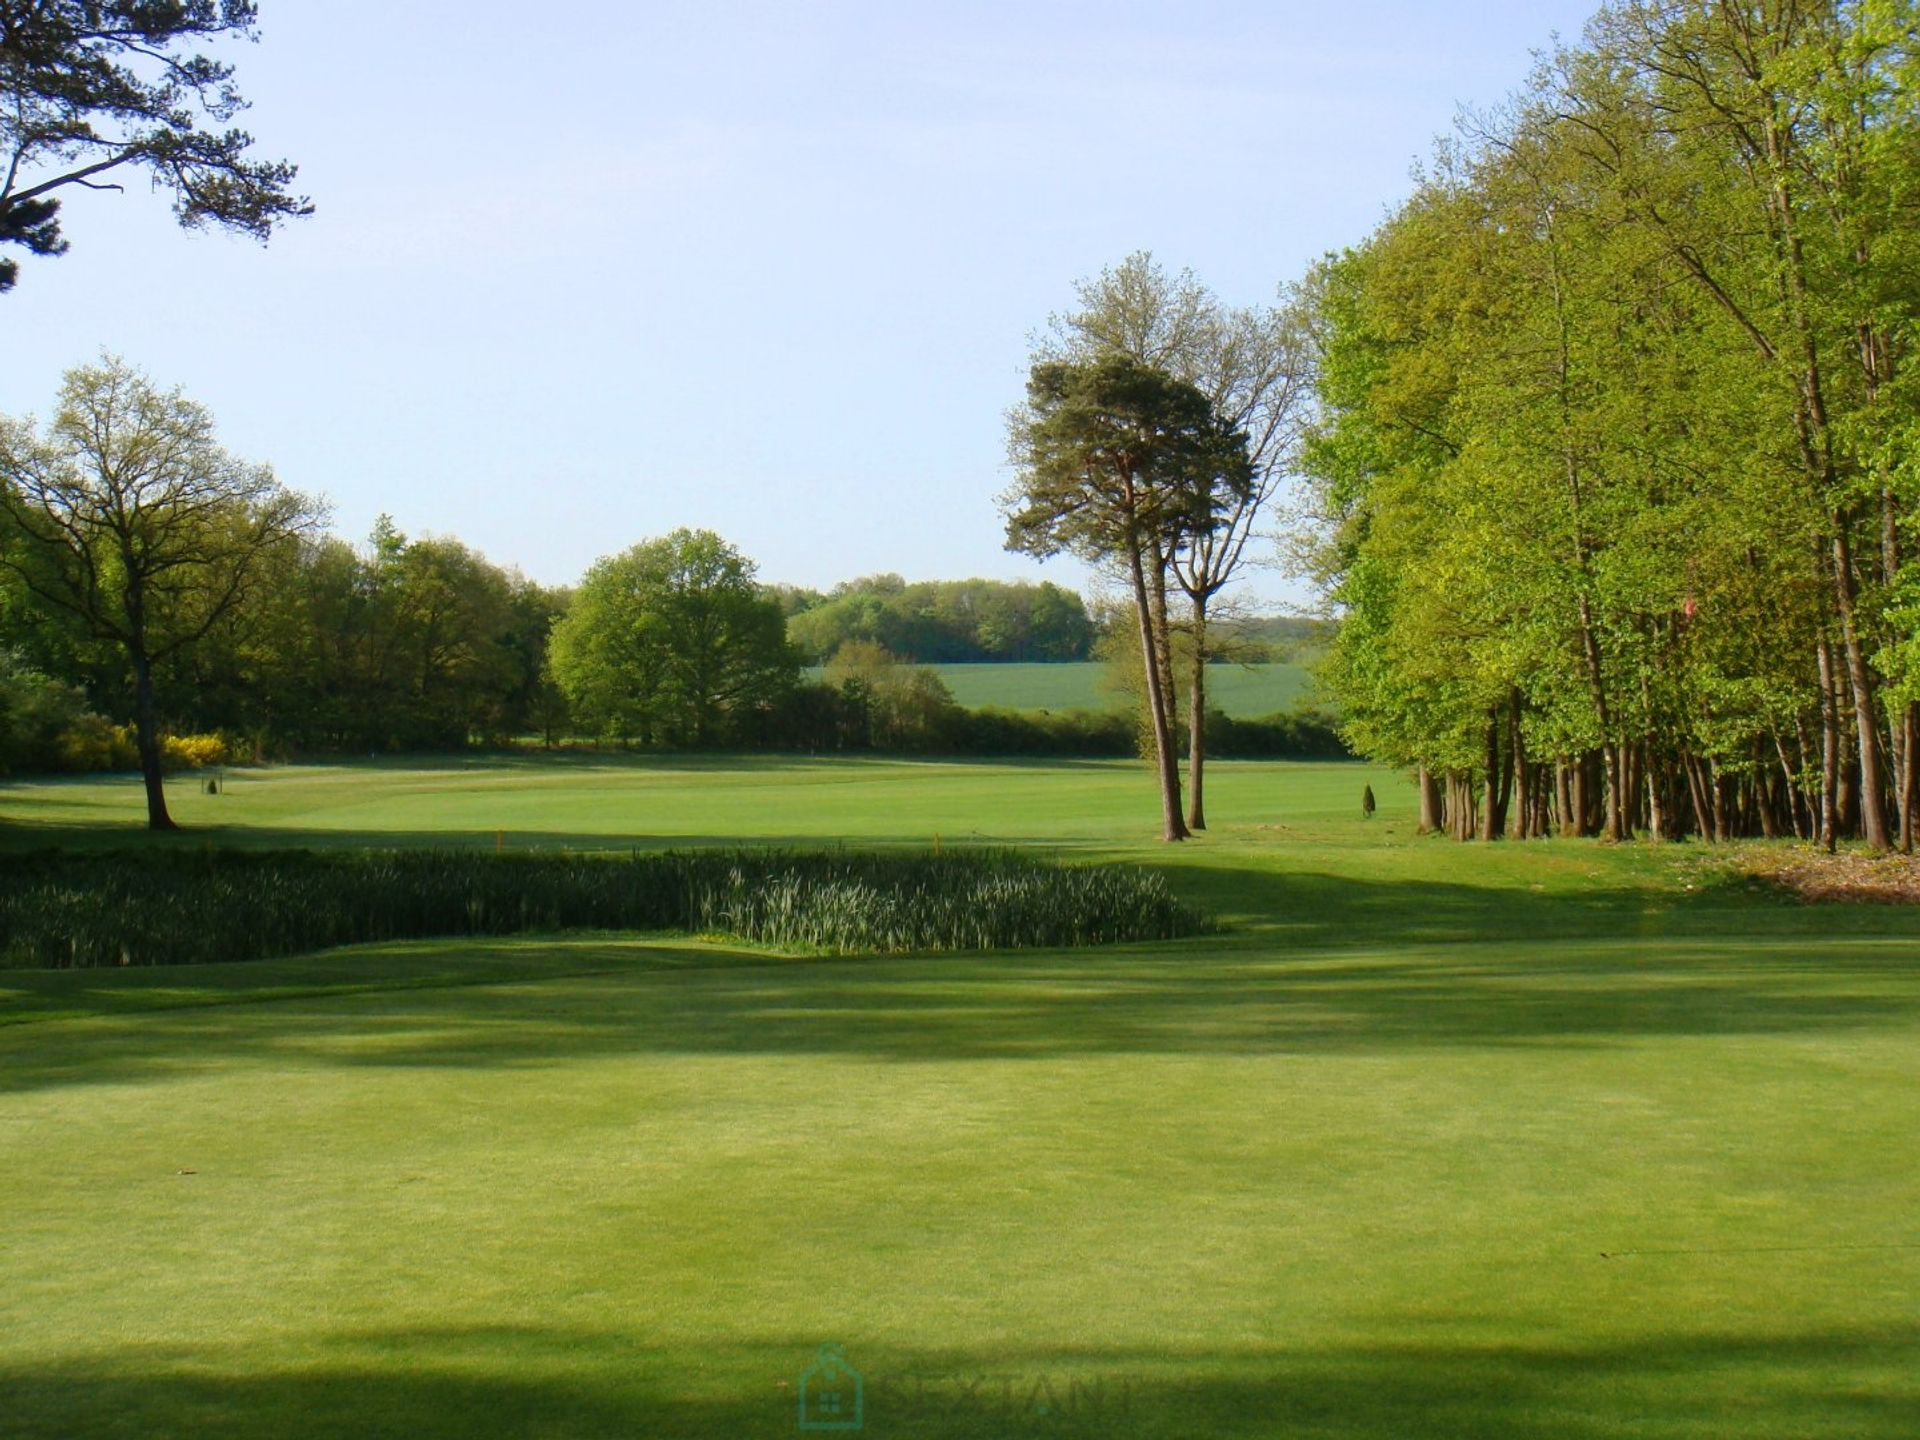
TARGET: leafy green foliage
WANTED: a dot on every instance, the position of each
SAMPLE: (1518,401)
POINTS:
(39,717)
(944,621)
(1614,414)
(1116,456)
(672,641)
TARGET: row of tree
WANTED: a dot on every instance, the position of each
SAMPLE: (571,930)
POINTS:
(153,578)
(941,622)
(1617,444)
(170,583)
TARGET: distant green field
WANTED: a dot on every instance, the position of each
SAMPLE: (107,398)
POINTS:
(1243,691)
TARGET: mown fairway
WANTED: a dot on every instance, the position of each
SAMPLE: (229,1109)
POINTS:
(1438,1142)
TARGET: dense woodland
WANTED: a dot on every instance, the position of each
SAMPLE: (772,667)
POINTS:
(1617,439)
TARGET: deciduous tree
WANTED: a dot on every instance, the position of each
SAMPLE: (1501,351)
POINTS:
(671,640)
(129,517)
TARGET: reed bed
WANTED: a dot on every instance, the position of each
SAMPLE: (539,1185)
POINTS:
(177,908)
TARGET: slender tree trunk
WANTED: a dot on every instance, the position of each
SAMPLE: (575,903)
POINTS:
(1493,815)
(1520,773)
(1197,720)
(1793,775)
(1829,828)
(147,730)
(1616,786)
(1767,792)
(1873,805)
(1656,804)
(1846,804)
(1816,447)
(1616,790)
(1568,798)
(1432,810)
(1697,793)
(1163,642)
(1910,781)
(1165,755)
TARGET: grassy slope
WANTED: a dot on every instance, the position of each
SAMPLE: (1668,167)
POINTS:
(1245,691)
(1439,1141)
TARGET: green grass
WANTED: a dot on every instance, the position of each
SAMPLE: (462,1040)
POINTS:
(603,801)
(1438,1141)
(1244,691)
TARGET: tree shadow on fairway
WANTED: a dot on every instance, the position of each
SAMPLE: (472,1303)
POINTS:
(527,1381)
(1317,909)
(486,1005)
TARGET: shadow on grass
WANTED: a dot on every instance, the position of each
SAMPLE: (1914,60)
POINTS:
(1862,1384)
(1314,909)
(524,1003)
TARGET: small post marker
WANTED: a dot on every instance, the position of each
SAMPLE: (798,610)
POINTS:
(499,841)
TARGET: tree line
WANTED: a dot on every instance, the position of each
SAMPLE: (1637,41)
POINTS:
(942,622)
(1616,447)
(153,577)
(163,601)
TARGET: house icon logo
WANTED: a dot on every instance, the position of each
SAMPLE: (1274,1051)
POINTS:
(832,1396)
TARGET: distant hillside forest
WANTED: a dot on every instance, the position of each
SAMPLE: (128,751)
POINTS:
(972,622)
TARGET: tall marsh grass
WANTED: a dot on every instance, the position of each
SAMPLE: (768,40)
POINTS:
(177,908)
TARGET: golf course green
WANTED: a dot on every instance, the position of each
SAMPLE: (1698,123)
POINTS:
(1431,1142)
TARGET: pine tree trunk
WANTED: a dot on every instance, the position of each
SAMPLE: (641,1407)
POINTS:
(1165,755)
(1197,721)
(1163,644)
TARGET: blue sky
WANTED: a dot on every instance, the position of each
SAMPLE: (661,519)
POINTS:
(769,268)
